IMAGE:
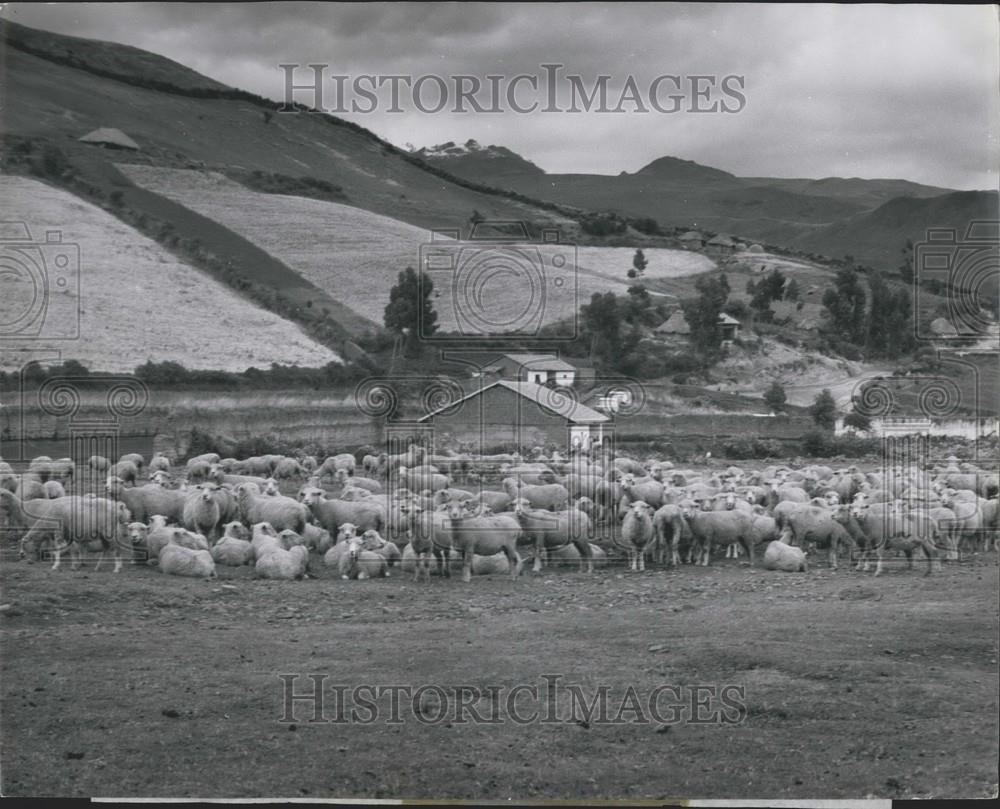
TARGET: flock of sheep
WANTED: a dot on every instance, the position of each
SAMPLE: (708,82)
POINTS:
(356,512)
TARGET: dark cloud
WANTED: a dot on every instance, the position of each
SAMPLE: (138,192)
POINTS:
(871,91)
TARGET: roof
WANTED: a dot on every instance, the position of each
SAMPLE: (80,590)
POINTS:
(943,327)
(539,362)
(722,240)
(692,235)
(675,324)
(556,401)
(114,137)
(755,248)
(727,320)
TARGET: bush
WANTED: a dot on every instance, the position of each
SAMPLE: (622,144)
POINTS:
(742,449)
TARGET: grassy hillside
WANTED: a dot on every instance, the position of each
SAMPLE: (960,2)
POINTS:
(136,300)
(354,256)
(54,100)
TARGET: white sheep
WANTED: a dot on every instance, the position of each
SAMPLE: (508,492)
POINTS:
(233,549)
(277,563)
(180,561)
(201,510)
(289,539)
(357,563)
(53,489)
(780,556)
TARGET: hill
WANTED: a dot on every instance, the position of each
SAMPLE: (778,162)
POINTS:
(136,301)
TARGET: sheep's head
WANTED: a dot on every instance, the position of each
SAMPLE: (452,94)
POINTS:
(113,484)
(347,532)
(311,495)
(264,529)
(640,509)
(236,530)
(354,547)
(729,500)
(271,487)
(372,539)
(656,472)
(585,504)
(455,510)
(689,507)
(137,533)
(340,476)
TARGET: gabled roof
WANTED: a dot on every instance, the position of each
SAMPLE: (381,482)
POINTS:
(727,320)
(675,324)
(555,401)
(541,362)
(691,235)
(115,137)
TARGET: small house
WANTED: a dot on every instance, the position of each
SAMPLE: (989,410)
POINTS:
(110,138)
(692,240)
(729,327)
(541,369)
(721,245)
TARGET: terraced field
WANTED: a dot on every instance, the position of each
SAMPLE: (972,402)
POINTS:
(121,298)
(355,255)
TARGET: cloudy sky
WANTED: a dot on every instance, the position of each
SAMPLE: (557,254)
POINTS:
(865,91)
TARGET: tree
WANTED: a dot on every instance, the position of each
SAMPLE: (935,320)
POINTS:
(775,397)
(769,289)
(602,323)
(409,311)
(846,304)
(476,217)
(792,290)
(639,263)
(859,421)
(824,410)
(906,271)
(702,313)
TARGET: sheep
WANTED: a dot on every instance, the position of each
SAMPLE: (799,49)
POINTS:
(555,529)
(145,501)
(886,526)
(331,557)
(264,539)
(176,560)
(779,556)
(331,514)
(205,457)
(278,563)
(282,512)
(41,466)
(317,538)
(649,491)
(125,471)
(98,463)
(31,487)
(201,511)
(231,550)
(289,539)
(53,489)
(709,528)
(551,496)
(135,459)
(344,461)
(218,476)
(69,522)
(669,527)
(62,470)
(344,480)
(158,463)
(419,479)
(387,549)
(271,488)
(568,555)
(636,533)
(288,468)
(358,563)
(485,535)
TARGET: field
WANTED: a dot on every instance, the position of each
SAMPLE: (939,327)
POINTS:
(135,300)
(145,685)
(355,255)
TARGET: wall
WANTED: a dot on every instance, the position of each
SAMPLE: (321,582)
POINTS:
(957,428)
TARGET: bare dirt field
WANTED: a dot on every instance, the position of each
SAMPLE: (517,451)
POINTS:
(146,685)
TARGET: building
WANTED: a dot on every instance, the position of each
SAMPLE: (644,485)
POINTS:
(721,245)
(692,240)
(524,414)
(729,327)
(542,369)
(110,138)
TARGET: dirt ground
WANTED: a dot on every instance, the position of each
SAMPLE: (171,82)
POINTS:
(141,684)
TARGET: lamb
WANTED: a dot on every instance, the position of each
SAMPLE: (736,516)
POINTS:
(278,563)
(201,511)
(280,511)
(177,560)
(636,533)
(779,556)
